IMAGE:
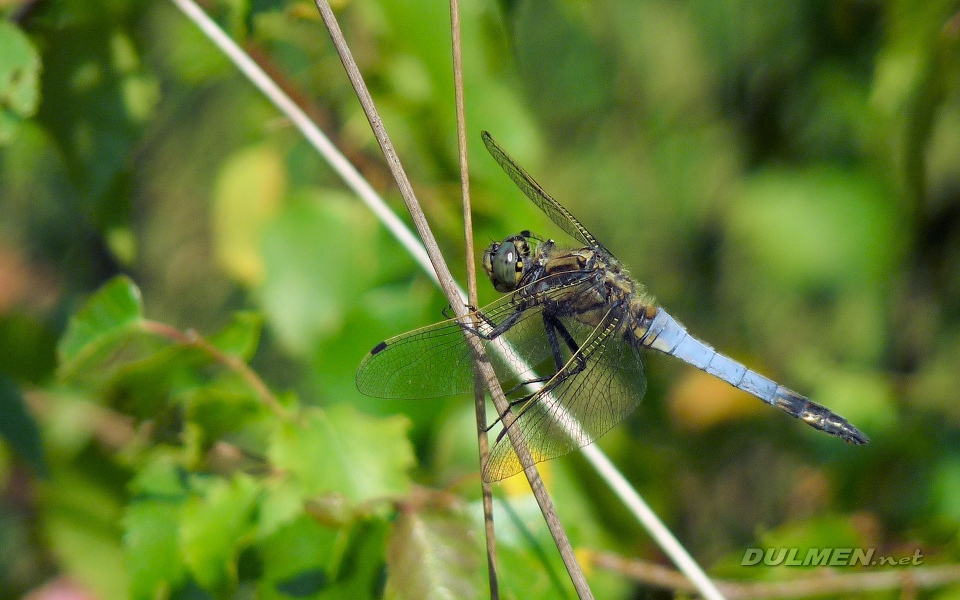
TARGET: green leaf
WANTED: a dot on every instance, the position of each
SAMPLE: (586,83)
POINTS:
(82,525)
(222,407)
(306,558)
(146,376)
(213,524)
(360,569)
(241,336)
(282,502)
(19,79)
(152,546)
(432,555)
(304,583)
(297,559)
(36,357)
(344,451)
(110,315)
(159,478)
(18,428)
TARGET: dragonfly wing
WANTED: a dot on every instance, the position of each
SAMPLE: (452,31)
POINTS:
(429,362)
(553,209)
(436,361)
(577,406)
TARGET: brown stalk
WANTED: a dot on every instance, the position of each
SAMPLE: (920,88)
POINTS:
(479,398)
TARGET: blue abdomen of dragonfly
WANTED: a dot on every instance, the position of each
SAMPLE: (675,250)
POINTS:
(661,332)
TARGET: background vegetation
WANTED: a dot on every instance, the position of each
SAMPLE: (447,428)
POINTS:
(785,177)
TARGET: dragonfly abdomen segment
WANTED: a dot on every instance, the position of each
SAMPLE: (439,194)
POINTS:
(664,334)
(669,337)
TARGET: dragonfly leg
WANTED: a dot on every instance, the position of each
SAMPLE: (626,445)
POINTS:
(510,406)
(527,382)
(495,329)
(553,326)
(503,431)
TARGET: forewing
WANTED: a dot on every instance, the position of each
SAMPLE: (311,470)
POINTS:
(553,209)
(429,362)
(436,360)
(572,411)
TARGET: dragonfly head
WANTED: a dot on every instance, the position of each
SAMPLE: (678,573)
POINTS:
(505,262)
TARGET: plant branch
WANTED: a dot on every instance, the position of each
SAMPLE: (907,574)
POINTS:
(233,363)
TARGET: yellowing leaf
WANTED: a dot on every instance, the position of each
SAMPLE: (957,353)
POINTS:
(701,401)
(248,194)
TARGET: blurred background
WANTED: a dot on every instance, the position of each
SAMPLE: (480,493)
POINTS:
(783,177)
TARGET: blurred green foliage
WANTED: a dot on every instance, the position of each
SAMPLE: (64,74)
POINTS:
(785,177)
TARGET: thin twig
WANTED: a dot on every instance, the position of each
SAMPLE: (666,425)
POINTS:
(118,432)
(479,398)
(823,583)
(241,368)
(450,290)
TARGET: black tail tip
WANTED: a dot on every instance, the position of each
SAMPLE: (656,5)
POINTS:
(852,435)
(830,422)
(818,416)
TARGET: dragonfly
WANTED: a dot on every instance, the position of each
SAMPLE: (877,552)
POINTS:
(565,340)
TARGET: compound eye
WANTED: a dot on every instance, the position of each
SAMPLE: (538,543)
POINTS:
(507,268)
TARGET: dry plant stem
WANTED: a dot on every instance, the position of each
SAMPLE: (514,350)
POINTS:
(192,338)
(450,290)
(821,584)
(483,443)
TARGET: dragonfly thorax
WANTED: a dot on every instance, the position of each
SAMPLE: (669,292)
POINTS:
(506,262)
